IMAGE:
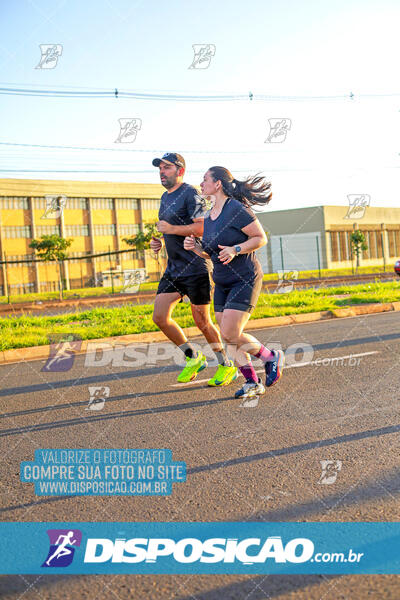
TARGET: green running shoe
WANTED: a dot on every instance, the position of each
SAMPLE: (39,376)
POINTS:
(224,375)
(193,367)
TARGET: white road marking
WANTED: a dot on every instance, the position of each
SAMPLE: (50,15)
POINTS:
(296,365)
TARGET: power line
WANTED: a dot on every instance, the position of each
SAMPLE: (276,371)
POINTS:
(118,94)
(131,150)
(133,172)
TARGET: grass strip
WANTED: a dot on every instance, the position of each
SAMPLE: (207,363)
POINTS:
(33,330)
(104,291)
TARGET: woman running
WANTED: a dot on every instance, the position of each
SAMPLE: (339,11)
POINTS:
(231,235)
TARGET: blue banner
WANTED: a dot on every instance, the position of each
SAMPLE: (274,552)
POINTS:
(230,548)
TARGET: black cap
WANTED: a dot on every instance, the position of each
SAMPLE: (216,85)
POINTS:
(172,158)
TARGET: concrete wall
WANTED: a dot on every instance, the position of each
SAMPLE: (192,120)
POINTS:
(298,229)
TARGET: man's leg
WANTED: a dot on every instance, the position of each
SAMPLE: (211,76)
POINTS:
(164,304)
(202,318)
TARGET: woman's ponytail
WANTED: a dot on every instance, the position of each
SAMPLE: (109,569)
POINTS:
(251,191)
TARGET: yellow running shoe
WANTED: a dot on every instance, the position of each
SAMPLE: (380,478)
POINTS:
(193,367)
(224,375)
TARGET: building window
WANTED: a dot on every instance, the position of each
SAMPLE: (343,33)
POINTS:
(18,232)
(334,246)
(76,254)
(22,288)
(20,257)
(47,230)
(343,246)
(76,230)
(7,202)
(39,203)
(373,240)
(379,246)
(150,204)
(127,203)
(103,229)
(102,203)
(128,229)
(372,244)
(76,203)
(394,242)
(105,257)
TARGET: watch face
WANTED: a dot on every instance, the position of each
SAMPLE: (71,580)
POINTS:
(237,249)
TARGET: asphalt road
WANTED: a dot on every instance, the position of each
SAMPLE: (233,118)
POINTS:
(245,463)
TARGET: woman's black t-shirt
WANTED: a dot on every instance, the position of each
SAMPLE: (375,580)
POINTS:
(226,230)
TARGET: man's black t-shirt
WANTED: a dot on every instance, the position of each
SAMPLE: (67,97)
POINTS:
(179,208)
(226,230)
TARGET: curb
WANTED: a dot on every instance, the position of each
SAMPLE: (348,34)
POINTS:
(42,352)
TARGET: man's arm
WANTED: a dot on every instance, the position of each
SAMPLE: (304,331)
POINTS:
(195,228)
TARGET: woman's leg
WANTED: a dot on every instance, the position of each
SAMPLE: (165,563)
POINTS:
(232,324)
(244,344)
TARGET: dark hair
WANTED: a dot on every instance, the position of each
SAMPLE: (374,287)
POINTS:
(253,190)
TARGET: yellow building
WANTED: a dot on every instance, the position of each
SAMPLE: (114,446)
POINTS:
(96,216)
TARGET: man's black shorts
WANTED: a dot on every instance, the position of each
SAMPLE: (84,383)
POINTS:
(197,288)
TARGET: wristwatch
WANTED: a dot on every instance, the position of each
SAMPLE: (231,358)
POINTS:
(237,249)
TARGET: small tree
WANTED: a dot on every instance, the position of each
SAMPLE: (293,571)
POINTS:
(141,241)
(358,245)
(52,247)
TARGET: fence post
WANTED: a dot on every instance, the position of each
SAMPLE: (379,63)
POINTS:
(383,248)
(6,287)
(283,264)
(80,264)
(111,273)
(319,259)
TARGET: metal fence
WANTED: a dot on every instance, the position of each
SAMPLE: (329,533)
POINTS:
(113,268)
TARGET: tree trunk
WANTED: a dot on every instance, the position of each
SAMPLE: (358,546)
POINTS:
(60,279)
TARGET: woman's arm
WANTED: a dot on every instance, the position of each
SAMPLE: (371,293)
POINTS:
(257,239)
(190,243)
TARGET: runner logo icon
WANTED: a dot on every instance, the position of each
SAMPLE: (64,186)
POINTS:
(61,551)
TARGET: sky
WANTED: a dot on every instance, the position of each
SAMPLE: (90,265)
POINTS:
(309,55)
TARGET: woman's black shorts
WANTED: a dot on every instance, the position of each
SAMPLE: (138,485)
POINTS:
(242,295)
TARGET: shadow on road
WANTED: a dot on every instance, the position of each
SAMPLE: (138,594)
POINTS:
(139,372)
(109,416)
(340,439)
(255,588)
(261,587)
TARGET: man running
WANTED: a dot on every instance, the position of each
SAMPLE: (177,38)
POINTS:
(186,273)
